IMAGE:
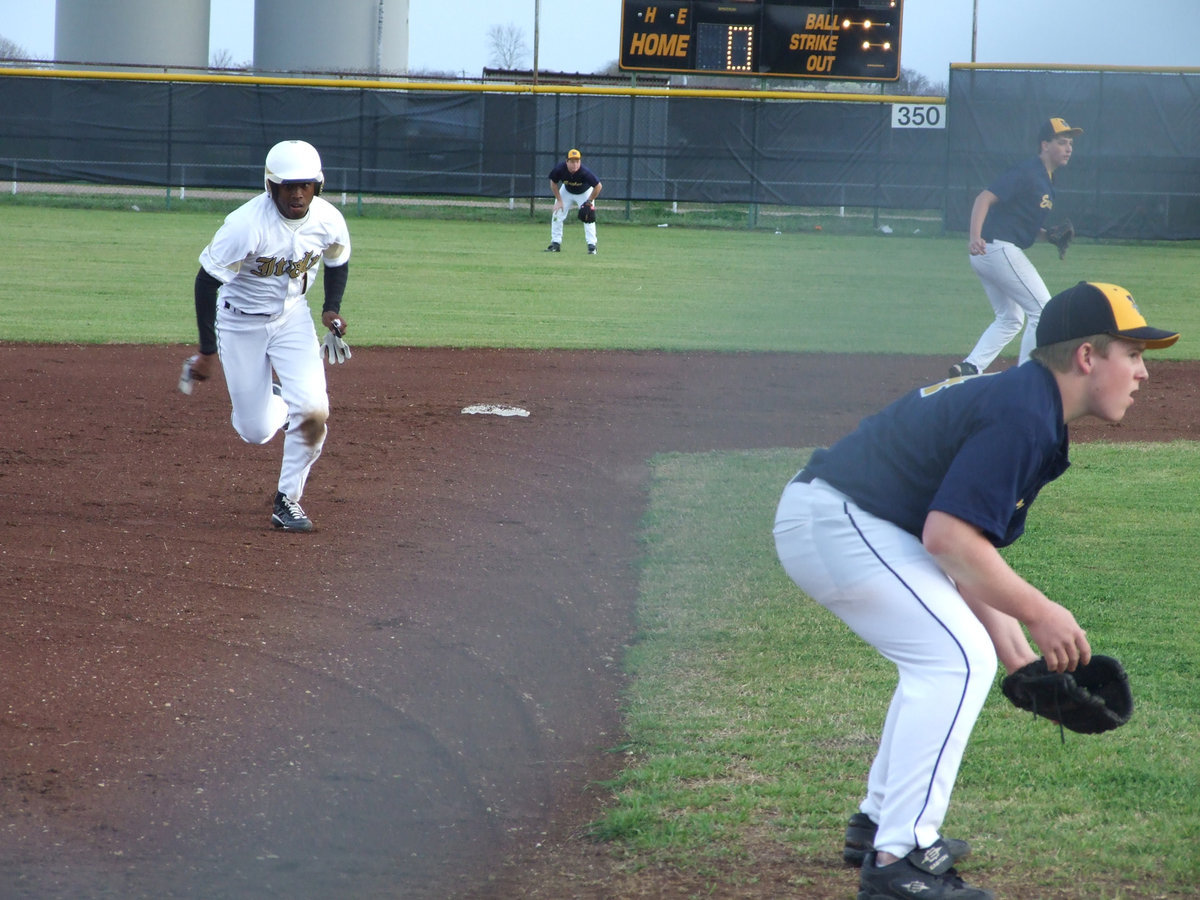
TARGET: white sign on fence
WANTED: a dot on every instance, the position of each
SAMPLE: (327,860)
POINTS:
(916,115)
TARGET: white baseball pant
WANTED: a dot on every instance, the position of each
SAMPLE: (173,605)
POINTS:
(251,347)
(1017,294)
(571,201)
(880,581)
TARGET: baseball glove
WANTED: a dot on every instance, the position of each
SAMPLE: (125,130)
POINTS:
(587,213)
(1092,699)
(1061,236)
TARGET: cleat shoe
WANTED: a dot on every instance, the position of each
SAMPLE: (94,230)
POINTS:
(288,515)
(963,369)
(860,840)
(927,874)
(554,248)
(591,249)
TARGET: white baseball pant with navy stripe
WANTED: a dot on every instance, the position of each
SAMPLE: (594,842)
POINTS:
(1017,294)
(880,581)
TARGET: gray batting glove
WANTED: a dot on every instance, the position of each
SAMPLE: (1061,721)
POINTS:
(334,349)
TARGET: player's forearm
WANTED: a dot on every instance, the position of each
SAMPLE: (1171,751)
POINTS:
(334,284)
(204,292)
(1008,637)
(979,571)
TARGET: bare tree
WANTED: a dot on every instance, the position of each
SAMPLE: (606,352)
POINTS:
(10,50)
(223,59)
(507,46)
(914,84)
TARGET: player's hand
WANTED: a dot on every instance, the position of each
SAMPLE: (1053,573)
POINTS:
(203,365)
(196,368)
(335,322)
(1062,642)
(977,247)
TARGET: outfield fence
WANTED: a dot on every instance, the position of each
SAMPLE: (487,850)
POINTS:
(1136,173)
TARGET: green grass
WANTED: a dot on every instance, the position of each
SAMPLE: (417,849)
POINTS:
(104,275)
(753,713)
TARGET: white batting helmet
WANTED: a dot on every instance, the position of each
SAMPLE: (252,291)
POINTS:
(293,161)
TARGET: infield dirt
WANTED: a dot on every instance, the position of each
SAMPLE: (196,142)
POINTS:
(417,699)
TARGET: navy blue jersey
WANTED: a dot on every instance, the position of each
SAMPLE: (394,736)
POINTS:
(577,183)
(1026,193)
(979,449)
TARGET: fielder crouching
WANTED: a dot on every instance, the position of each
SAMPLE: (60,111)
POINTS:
(896,528)
(252,311)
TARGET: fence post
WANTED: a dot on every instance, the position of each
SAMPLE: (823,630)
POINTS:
(629,159)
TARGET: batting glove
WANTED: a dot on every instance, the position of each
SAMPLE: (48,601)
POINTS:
(334,349)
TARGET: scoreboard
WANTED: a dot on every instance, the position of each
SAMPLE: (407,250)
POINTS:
(847,41)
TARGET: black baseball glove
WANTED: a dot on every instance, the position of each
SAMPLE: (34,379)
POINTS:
(587,212)
(1061,236)
(1092,699)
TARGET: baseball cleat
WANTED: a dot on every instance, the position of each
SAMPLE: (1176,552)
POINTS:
(963,369)
(288,515)
(554,248)
(591,249)
(924,873)
(860,840)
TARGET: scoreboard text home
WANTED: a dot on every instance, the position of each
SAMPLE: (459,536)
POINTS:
(768,38)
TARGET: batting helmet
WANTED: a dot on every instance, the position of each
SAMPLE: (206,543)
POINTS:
(293,161)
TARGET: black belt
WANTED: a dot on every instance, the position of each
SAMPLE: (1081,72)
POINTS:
(241,313)
(803,477)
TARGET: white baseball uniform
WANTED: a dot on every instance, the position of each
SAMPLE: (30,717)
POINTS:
(266,264)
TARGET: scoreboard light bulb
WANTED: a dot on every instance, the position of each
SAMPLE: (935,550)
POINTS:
(866,45)
(846,23)
(866,24)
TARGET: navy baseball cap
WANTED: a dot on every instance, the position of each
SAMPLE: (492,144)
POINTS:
(1057,127)
(1091,308)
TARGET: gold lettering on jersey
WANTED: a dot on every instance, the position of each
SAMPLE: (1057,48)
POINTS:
(1046,203)
(273,266)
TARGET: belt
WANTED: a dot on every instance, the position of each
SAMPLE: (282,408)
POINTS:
(803,477)
(232,308)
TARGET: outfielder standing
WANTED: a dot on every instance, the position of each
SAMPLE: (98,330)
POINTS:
(896,528)
(573,184)
(1006,218)
(251,307)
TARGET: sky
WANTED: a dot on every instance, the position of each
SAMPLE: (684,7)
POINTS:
(450,36)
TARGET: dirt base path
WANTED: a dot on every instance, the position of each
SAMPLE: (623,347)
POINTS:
(409,702)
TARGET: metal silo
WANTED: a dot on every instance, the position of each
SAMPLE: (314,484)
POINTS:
(132,32)
(361,36)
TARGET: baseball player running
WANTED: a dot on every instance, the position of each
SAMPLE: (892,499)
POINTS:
(1006,218)
(573,184)
(896,528)
(251,309)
